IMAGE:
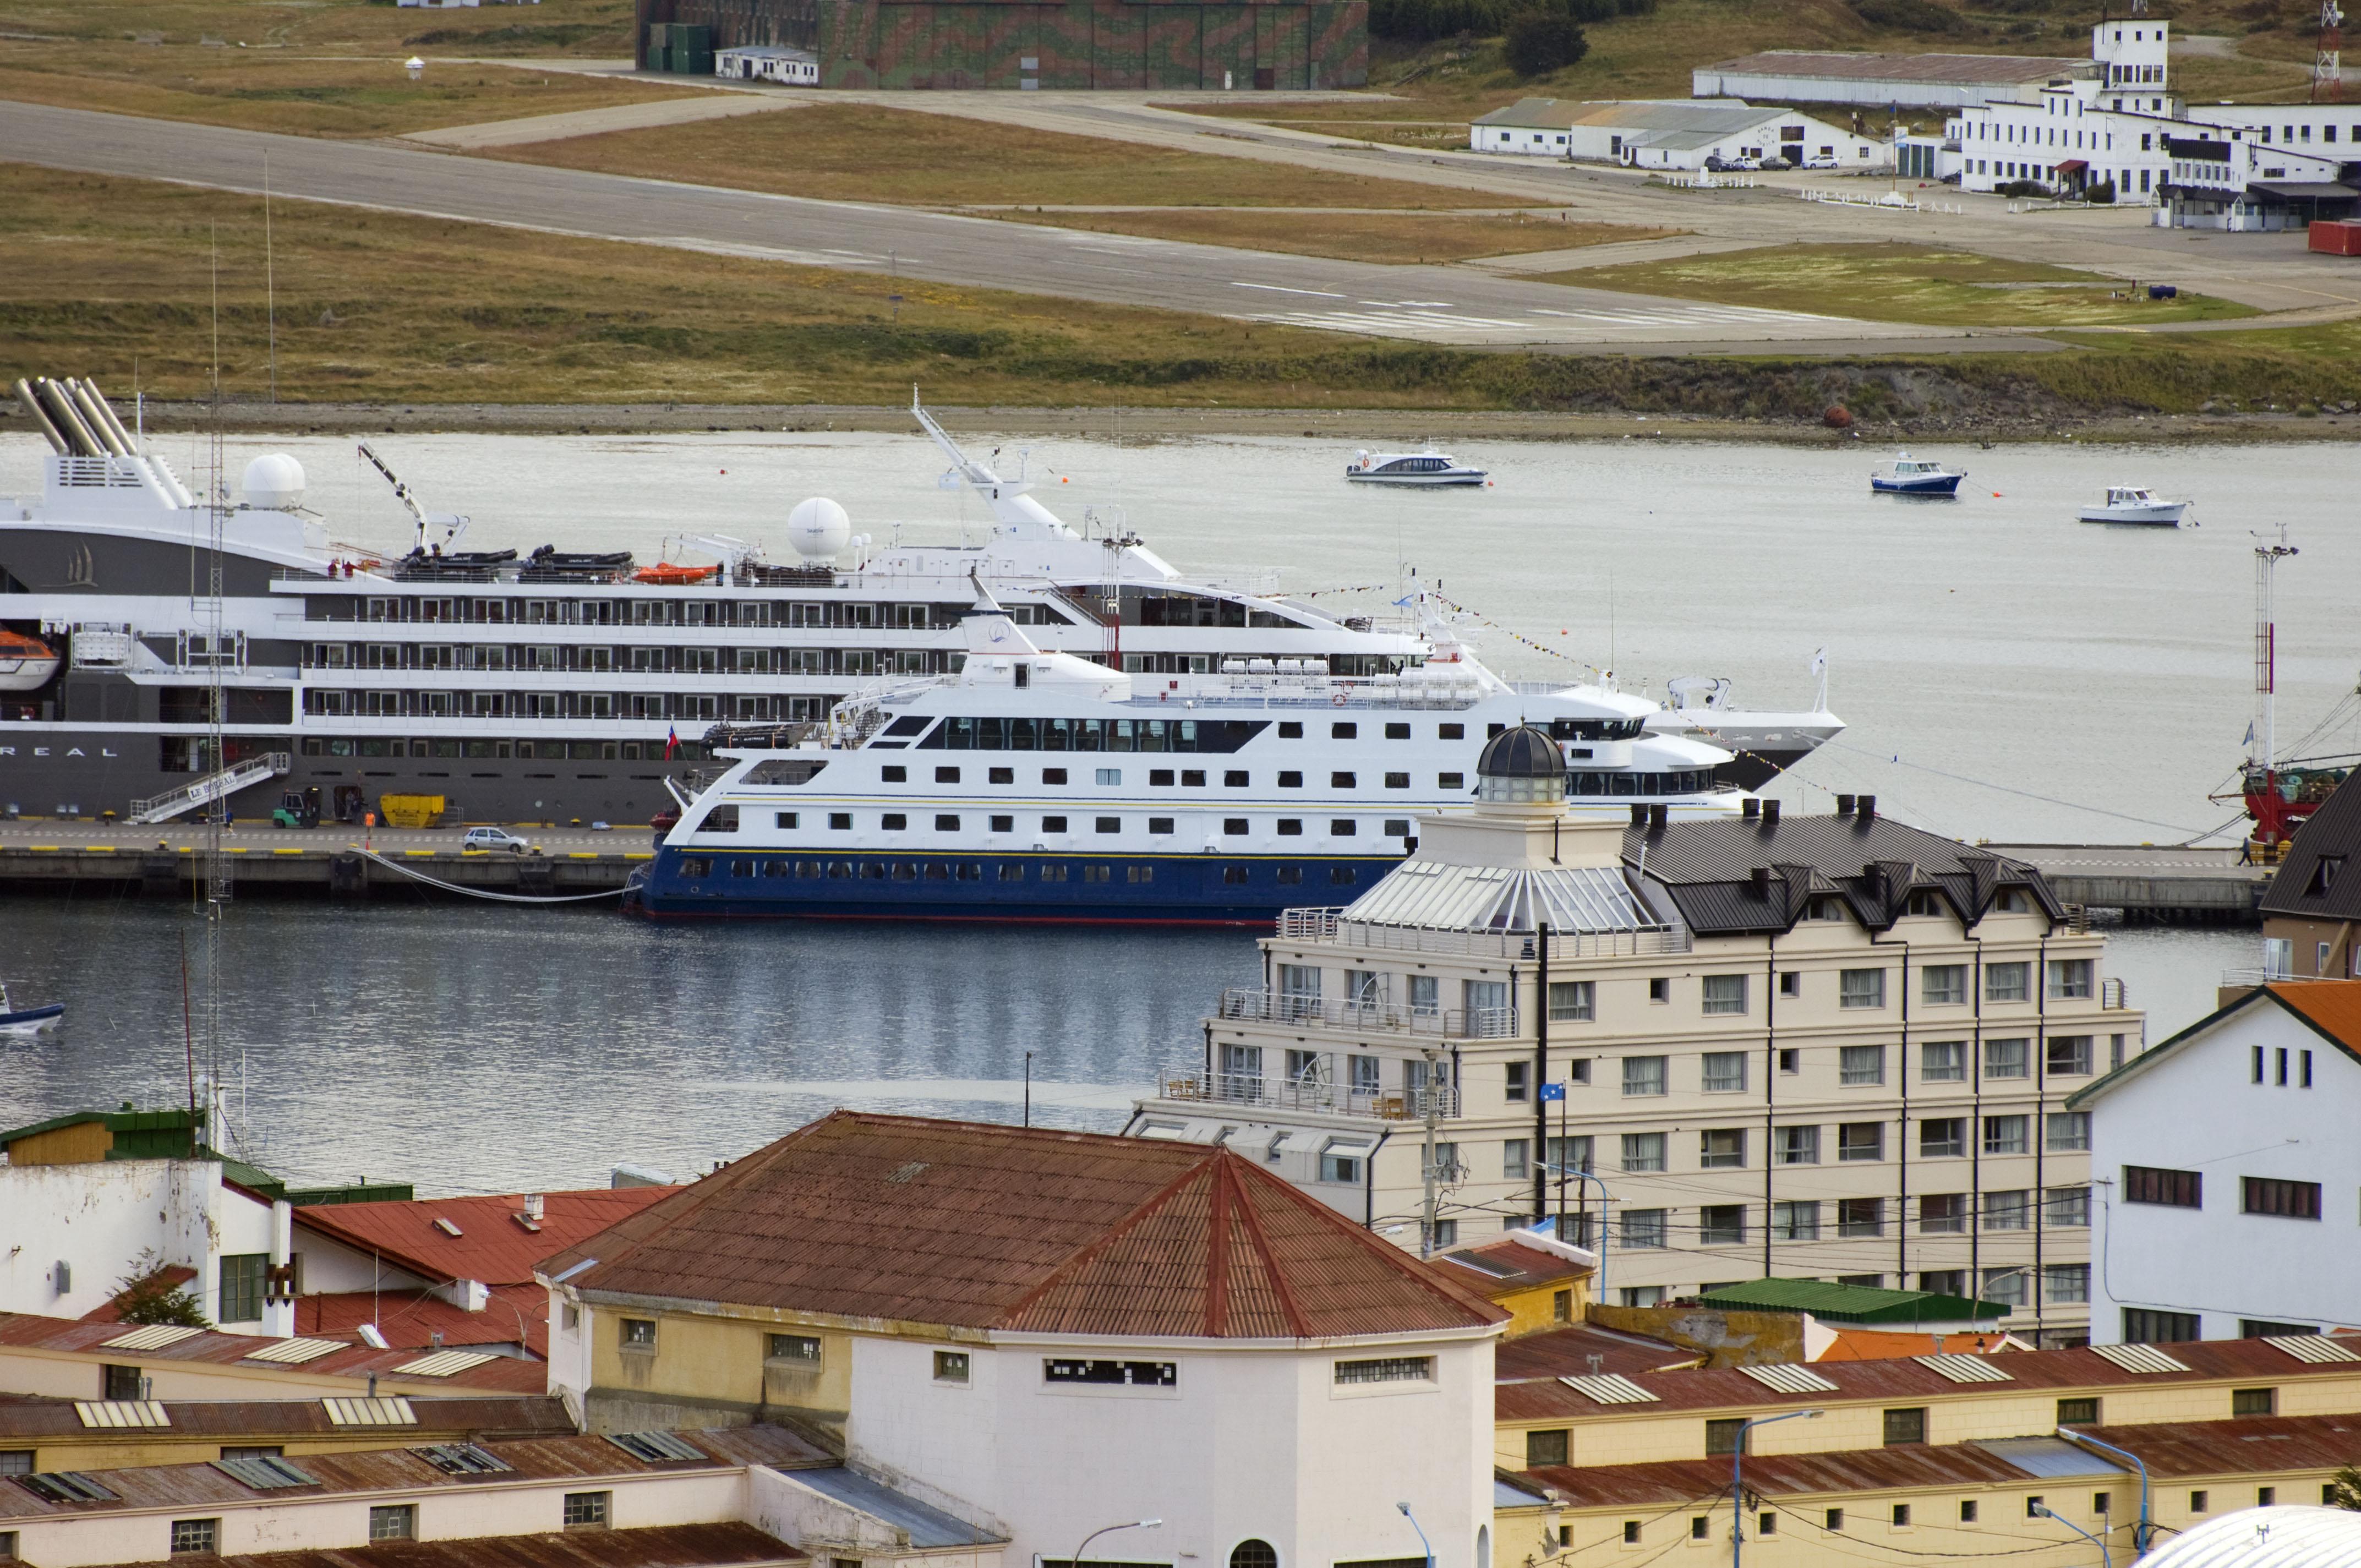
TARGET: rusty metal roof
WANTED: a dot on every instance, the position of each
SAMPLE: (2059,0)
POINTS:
(401,1469)
(513,1314)
(1507,1264)
(493,1416)
(502,1373)
(2172,1450)
(982,1226)
(2032,1370)
(729,1545)
(494,1240)
(1566,1353)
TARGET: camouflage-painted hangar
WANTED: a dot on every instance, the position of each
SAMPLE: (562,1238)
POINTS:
(1160,45)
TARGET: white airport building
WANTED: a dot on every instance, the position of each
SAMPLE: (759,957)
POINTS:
(768,63)
(1672,133)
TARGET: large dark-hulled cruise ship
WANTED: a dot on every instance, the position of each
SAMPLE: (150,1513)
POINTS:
(554,687)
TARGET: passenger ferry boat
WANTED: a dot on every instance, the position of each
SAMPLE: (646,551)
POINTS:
(544,685)
(1036,785)
(1908,476)
(1428,468)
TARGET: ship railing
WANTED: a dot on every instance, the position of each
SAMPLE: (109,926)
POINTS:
(1315,1091)
(779,736)
(1367,1014)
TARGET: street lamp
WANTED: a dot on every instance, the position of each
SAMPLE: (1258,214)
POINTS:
(1738,1482)
(1414,1525)
(1598,1279)
(2144,1532)
(2106,1558)
(1110,1529)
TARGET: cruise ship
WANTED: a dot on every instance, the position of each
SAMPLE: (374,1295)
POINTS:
(184,648)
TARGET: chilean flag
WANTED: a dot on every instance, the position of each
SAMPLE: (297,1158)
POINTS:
(672,741)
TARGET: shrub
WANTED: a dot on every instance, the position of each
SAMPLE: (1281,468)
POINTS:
(1542,39)
(1423,21)
(1908,16)
(2102,192)
(146,1296)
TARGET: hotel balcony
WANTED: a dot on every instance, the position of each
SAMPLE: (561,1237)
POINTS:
(1369,1018)
(1315,1091)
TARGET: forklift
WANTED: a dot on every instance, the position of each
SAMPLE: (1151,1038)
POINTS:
(298,810)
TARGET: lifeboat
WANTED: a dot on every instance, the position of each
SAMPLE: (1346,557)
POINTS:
(665,572)
(26,663)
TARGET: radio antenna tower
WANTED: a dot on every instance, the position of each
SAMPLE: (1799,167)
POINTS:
(214,886)
(2327,61)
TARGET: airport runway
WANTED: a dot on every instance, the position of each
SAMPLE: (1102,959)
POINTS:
(1427,304)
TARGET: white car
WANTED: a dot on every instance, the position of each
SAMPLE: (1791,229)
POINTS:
(495,839)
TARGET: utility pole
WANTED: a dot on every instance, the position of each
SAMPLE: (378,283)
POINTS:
(1433,1110)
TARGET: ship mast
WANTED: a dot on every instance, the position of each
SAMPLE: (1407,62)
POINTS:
(2262,748)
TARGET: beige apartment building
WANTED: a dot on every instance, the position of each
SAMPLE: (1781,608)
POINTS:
(1713,1050)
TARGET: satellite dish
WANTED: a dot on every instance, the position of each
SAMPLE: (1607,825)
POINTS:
(819,529)
(273,482)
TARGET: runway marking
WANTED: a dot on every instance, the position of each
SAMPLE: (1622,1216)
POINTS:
(1277,288)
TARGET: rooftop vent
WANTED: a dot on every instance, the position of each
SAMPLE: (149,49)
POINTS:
(1845,805)
(1770,814)
(461,1459)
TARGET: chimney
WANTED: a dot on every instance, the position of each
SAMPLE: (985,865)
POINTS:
(1656,815)
(1867,809)
(1639,815)
(533,1206)
(1749,809)
(1844,806)
(1770,814)
(1758,882)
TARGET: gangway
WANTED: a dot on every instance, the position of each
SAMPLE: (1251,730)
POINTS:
(213,787)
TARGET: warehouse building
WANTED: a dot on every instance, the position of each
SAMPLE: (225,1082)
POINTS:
(1671,133)
(1281,44)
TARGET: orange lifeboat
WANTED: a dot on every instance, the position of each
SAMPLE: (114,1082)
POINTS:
(665,572)
(26,663)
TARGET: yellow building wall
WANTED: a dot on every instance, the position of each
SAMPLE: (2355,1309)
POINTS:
(1533,1310)
(84,1143)
(709,1360)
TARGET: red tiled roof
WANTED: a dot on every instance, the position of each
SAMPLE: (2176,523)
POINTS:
(2172,1450)
(1566,1353)
(515,1314)
(1881,1344)
(1715,1389)
(2332,1006)
(505,1374)
(662,1546)
(492,1246)
(974,1225)
(1512,1266)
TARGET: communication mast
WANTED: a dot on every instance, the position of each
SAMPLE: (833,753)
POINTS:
(2327,61)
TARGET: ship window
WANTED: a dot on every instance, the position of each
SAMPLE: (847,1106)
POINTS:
(1397,731)
(1234,876)
(1343,732)
(1160,778)
(1342,827)
(1053,873)
(1291,876)
(1001,776)
(1398,781)
(1451,781)
(1159,825)
(874,870)
(1053,775)
(1004,824)
(1011,871)
(1236,778)
(1343,876)
(1291,729)
(1342,781)
(1053,825)
(896,775)
(1451,732)
(1290,781)
(783,818)
(947,775)
(1108,824)
(1139,873)
(1397,827)
(893,822)
(1291,827)
(1192,778)
(807,868)
(945,823)
(841,821)
(1235,827)
(1098,874)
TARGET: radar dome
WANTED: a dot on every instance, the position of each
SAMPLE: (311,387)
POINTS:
(819,529)
(274,482)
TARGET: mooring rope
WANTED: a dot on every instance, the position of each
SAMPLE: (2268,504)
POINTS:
(486,893)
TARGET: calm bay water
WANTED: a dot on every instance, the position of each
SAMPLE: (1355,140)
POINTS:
(2008,674)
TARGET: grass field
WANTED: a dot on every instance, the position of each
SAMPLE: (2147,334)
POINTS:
(1899,283)
(278,91)
(592,27)
(854,152)
(112,278)
(1397,237)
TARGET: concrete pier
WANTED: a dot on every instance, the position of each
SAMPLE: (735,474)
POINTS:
(333,860)
(2161,885)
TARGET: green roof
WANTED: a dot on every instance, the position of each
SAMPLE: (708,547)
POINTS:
(1852,1303)
(138,1134)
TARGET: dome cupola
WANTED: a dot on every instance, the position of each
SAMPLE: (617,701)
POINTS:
(1520,764)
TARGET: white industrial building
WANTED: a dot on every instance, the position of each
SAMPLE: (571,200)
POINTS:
(768,63)
(1903,81)
(1672,133)
(2227,1168)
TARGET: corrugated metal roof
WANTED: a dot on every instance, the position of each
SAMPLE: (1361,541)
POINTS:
(376,1470)
(1610,1388)
(295,1351)
(2000,70)
(2316,1349)
(2061,1371)
(930,1529)
(513,1314)
(1789,1378)
(493,1243)
(443,1364)
(1959,1368)
(121,1413)
(2050,1457)
(1505,1261)
(2140,1358)
(729,1545)
(1555,1353)
(155,1336)
(985,1226)
(498,1415)
(28,1331)
(1437,897)
(2185,1450)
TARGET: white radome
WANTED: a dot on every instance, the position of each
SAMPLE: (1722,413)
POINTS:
(819,529)
(2296,1536)
(273,482)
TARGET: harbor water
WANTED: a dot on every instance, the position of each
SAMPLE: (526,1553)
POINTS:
(2008,674)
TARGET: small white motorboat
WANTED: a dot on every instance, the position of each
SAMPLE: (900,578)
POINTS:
(14,1020)
(1411,468)
(2135,503)
(1908,476)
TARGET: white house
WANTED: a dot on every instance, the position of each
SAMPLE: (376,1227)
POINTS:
(768,63)
(2228,1173)
(1044,1332)
(1671,133)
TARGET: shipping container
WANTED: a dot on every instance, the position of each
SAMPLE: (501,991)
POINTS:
(2332,237)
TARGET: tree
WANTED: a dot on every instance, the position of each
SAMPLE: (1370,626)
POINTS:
(1542,40)
(2344,1490)
(146,1296)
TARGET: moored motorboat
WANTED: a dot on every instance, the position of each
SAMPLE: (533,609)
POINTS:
(2135,503)
(1429,468)
(18,1020)
(1908,476)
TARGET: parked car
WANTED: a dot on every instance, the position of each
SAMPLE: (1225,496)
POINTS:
(495,839)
